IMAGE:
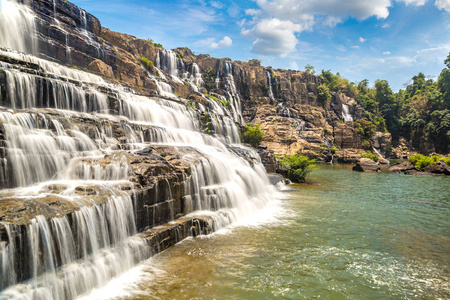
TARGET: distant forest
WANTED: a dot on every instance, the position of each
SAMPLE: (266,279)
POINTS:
(420,113)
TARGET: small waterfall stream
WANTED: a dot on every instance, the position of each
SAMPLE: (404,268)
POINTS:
(72,148)
(346,114)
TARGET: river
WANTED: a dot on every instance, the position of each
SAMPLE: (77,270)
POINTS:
(344,235)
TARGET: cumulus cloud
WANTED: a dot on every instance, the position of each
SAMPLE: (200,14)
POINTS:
(443,4)
(329,12)
(253,12)
(387,53)
(362,40)
(211,43)
(279,21)
(273,37)
(223,43)
(413,2)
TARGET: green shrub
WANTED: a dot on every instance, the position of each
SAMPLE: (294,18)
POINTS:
(253,135)
(323,95)
(365,128)
(157,45)
(366,145)
(333,150)
(297,167)
(370,155)
(223,102)
(422,161)
(148,64)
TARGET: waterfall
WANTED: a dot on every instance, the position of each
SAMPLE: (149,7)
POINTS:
(72,147)
(17,27)
(269,84)
(345,113)
(167,60)
(231,91)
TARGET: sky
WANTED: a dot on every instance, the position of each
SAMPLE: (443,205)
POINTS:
(361,39)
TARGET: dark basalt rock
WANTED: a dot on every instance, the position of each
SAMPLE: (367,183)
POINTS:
(405,168)
(439,167)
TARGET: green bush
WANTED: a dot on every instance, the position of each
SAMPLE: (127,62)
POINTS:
(148,64)
(323,95)
(366,145)
(422,161)
(253,135)
(297,167)
(154,44)
(446,160)
(333,150)
(370,155)
(365,128)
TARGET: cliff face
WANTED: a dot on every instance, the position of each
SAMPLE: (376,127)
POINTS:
(284,102)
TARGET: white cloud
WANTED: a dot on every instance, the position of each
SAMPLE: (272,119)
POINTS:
(253,12)
(355,47)
(413,2)
(223,43)
(273,37)
(385,25)
(362,40)
(211,43)
(443,4)
(329,12)
(387,53)
(293,65)
(216,4)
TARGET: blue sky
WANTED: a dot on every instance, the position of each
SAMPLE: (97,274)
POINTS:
(361,39)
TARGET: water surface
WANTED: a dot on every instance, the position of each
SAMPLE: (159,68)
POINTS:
(345,235)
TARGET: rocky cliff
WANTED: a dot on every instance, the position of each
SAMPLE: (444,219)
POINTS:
(284,102)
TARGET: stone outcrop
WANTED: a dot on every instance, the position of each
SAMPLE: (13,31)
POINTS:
(439,167)
(405,168)
(367,165)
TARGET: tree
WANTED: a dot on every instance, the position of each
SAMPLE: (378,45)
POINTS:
(310,69)
(447,61)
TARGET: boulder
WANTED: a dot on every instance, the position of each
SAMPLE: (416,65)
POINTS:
(98,66)
(405,168)
(439,167)
(367,165)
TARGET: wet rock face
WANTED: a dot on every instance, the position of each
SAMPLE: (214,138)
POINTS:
(73,37)
(69,34)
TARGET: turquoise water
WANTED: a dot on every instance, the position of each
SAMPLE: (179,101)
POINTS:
(345,235)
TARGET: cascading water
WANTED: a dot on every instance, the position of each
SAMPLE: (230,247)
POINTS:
(345,113)
(18,27)
(71,147)
(231,91)
(269,84)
